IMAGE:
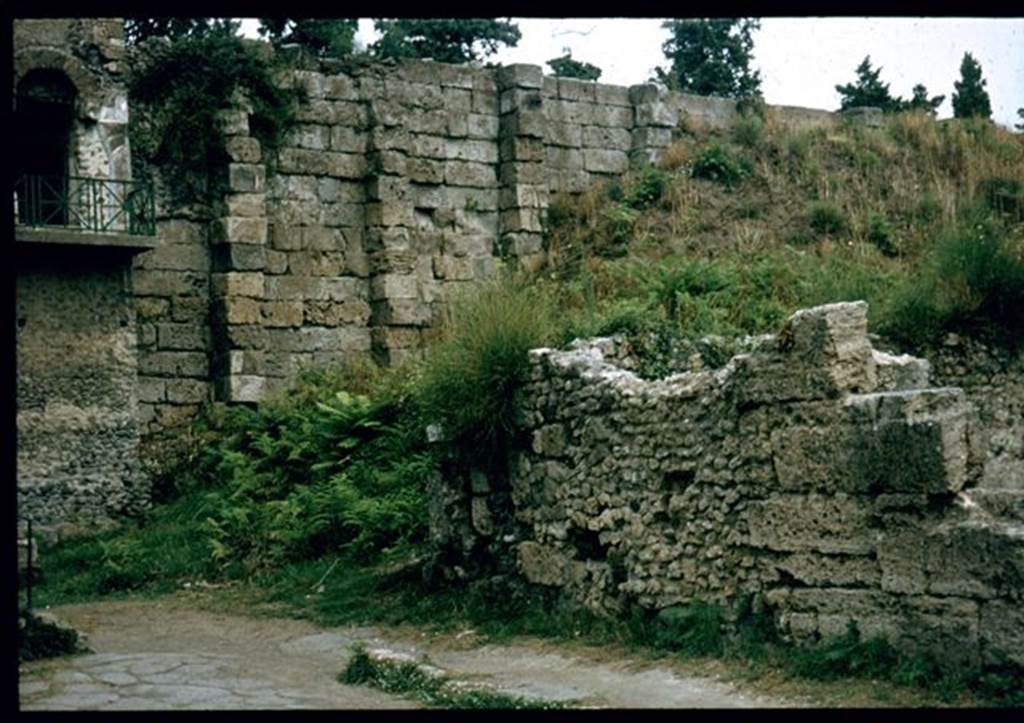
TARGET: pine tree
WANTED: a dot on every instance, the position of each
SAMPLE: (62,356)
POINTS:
(456,40)
(869,90)
(1020,114)
(921,101)
(333,37)
(137,30)
(567,67)
(970,97)
(711,57)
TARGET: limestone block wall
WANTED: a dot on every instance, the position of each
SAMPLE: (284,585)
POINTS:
(400,184)
(821,476)
(993,379)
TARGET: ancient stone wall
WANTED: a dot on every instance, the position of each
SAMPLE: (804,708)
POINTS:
(400,183)
(824,478)
(77,412)
(993,379)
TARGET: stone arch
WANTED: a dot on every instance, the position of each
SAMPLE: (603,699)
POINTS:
(90,91)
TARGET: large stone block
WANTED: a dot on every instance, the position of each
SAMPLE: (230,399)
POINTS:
(239,257)
(464,173)
(520,76)
(543,564)
(393,286)
(821,353)
(174,364)
(597,160)
(912,441)
(240,229)
(833,524)
(607,138)
(246,177)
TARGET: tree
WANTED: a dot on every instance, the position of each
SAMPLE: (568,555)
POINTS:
(1020,114)
(457,40)
(334,37)
(137,30)
(969,95)
(567,67)
(921,101)
(711,57)
(868,90)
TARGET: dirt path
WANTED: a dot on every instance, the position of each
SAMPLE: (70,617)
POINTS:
(166,654)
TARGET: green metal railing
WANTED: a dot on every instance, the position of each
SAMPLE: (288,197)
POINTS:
(100,205)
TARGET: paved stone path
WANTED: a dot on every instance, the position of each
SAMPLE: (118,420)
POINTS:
(166,654)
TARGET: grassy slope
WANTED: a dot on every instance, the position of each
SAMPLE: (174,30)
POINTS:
(780,218)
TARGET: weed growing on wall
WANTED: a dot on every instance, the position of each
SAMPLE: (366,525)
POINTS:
(178,91)
(470,380)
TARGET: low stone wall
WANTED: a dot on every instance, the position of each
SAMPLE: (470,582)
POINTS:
(815,473)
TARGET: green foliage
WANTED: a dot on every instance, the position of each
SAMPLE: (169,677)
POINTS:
(748,130)
(1020,114)
(566,66)
(470,380)
(138,30)
(921,101)
(868,90)
(297,482)
(692,629)
(972,279)
(827,220)
(39,639)
(324,37)
(845,656)
(717,164)
(408,678)
(1005,196)
(647,188)
(970,99)
(455,40)
(880,234)
(711,57)
(178,92)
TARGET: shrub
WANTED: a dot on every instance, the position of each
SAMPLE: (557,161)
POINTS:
(1004,196)
(714,163)
(178,92)
(39,639)
(828,220)
(973,279)
(748,130)
(647,188)
(879,233)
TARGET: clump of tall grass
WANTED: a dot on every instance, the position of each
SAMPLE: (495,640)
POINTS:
(470,379)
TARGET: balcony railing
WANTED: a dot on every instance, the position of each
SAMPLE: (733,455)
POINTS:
(99,205)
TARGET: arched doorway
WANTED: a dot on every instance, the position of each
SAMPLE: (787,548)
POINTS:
(44,116)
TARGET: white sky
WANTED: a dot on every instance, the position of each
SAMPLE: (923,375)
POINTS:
(801,59)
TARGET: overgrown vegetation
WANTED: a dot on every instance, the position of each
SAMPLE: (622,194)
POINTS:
(39,639)
(179,90)
(437,691)
(921,219)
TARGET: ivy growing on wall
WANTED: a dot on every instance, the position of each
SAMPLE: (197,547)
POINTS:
(178,90)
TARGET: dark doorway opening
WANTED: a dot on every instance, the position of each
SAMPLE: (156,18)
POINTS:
(43,118)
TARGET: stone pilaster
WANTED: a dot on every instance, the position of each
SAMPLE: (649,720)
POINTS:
(238,255)
(397,309)
(654,119)
(523,194)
